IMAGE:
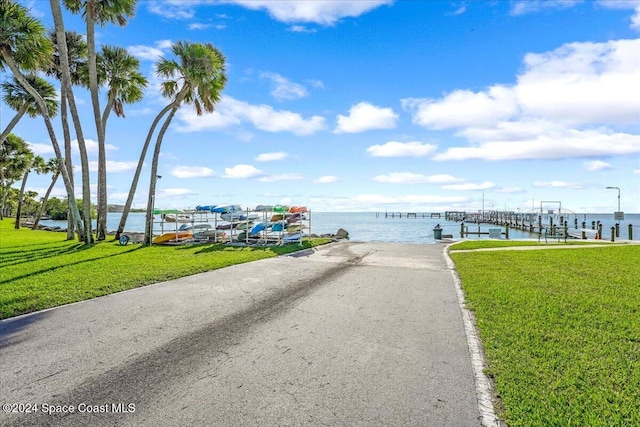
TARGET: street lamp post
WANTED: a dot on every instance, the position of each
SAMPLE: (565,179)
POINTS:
(616,215)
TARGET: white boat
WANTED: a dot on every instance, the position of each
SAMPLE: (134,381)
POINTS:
(177,217)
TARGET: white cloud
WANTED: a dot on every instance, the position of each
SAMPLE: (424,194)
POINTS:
(174,193)
(173,9)
(573,101)
(242,171)
(231,112)
(282,177)
(463,108)
(191,171)
(469,186)
(625,4)
(328,179)
(150,53)
(414,178)
(522,7)
(583,83)
(41,149)
(92,146)
(114,166)
(636,172)
(556,184)
(571,143)
(284,88)
(301,29)
(597,165)
(364,116)
(269,157)
(402,149)
(315,11)
(199,26)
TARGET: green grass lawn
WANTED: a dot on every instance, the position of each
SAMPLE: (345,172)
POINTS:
(483,244)
(561,332)
(40,269)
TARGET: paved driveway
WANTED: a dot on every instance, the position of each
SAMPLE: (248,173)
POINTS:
(347,334)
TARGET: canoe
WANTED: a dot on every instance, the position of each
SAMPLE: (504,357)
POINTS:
(277,217)
(245,225)
(293,237)
(205,208)
(298,209)
(228,226)
(263,208)
(238,216)
(279,226)
(185,227)
(257,228)
(294,218)
(177,217)
(168,237)
(281,208)
(295,227)
(226,209)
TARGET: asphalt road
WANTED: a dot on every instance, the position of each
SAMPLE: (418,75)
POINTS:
(348,334)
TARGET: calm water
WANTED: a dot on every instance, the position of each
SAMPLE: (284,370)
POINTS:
(366,227)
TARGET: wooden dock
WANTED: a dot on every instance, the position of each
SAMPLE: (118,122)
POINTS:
(408,215)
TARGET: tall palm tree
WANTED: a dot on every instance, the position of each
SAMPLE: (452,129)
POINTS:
(15,158)
(76,59)
(119,71)
(16,97)
(172,71)
(65,68)
(197,76)
(24,45)
(37,165)
(100,12)
(52,167)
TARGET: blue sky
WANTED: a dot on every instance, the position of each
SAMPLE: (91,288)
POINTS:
(385,105)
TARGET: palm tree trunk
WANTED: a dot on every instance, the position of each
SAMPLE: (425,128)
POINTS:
(20,199)
(43,206)
(9,61)
(136,176)
(148,229)
(13,123)
(90,15)
(66,83)
(3,202)
(64,118)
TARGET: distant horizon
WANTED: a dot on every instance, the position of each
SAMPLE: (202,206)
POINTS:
(381,105)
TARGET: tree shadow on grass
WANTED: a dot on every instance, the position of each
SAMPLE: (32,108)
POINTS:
(21,257)
(53,268)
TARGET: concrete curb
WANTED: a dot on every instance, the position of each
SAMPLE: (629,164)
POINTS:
(484,386)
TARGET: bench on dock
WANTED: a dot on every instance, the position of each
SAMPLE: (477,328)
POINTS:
(556,233)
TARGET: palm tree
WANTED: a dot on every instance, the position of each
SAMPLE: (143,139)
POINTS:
(15,157)
(24,45)
(173,70)
(197,77)
(65,68)
(16,97)
(37,165)
(76,58)
(53,167)
(120,72)
(100,12)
